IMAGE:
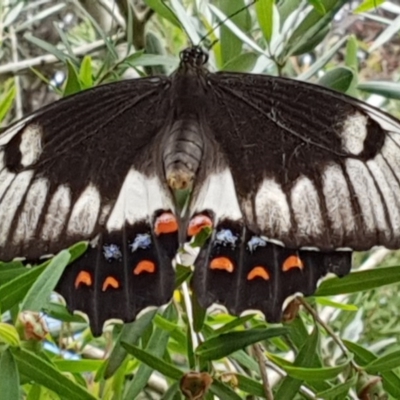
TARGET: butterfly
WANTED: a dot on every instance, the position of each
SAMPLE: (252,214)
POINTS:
(291,178)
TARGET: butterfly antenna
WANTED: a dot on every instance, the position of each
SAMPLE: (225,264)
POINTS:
(222,22)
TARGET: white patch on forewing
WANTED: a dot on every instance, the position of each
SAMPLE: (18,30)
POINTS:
(57,213)
(31,145)
(138,198)
(7,135)
(218,194)
(85,212)
(338,200)
(390,190)
(31,211)
(354,133)
(11,201)
(272,209)
(306,208)
(367,195)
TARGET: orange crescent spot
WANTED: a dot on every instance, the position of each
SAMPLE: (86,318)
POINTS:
(222,263)
(144,266)
(258,272)
(165,223)
(110,281)
(197,223)
(83,278)
(292,262)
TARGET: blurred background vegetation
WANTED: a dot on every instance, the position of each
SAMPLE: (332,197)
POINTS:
(342,343)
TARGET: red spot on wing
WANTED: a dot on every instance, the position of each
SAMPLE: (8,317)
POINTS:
(165,223)
(144,266)
(197,223)
(258,272)
(83,278)
(292,262)
(222,263)
(110,281)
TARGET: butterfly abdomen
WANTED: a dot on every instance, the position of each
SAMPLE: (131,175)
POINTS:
(182,153)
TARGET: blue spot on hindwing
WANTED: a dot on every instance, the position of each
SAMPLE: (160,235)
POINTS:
(255,242)
(225,237)
(142,241)
(112,252)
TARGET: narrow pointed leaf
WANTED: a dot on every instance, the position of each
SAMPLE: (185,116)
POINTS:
(359,281)
(225,344)
(154,362)
(9,377)
(43,373)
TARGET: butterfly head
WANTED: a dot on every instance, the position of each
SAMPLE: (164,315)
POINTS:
(193,57)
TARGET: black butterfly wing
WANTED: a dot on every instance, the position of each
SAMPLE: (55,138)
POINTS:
(307,172)
(85,168)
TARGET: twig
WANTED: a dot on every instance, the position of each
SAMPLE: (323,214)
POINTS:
(258,352)
(189,313)
(16,67)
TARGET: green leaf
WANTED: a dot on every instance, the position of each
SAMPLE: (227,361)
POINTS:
(85,73)
(130,333)
(223,391)
(323,301)
(385,363)
(40,291)
(250,386)
(7,99)
(231,45)
(77,250)
(9,271)
(43,373)
(390,90)
(156,363)
(242,63)
(264,11)
(60,312)
(290,386)
(9,377)
(163,10)
(339,79)
(339,391)
(359,281)
(72,84)
(318,6)
(314,374)
(351,61)
(239,321)
(225,344)
(156,347)
(78,366)
(312,29)
(9,335)
(368,5)
(15,290)
(391,382)
(47,47)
